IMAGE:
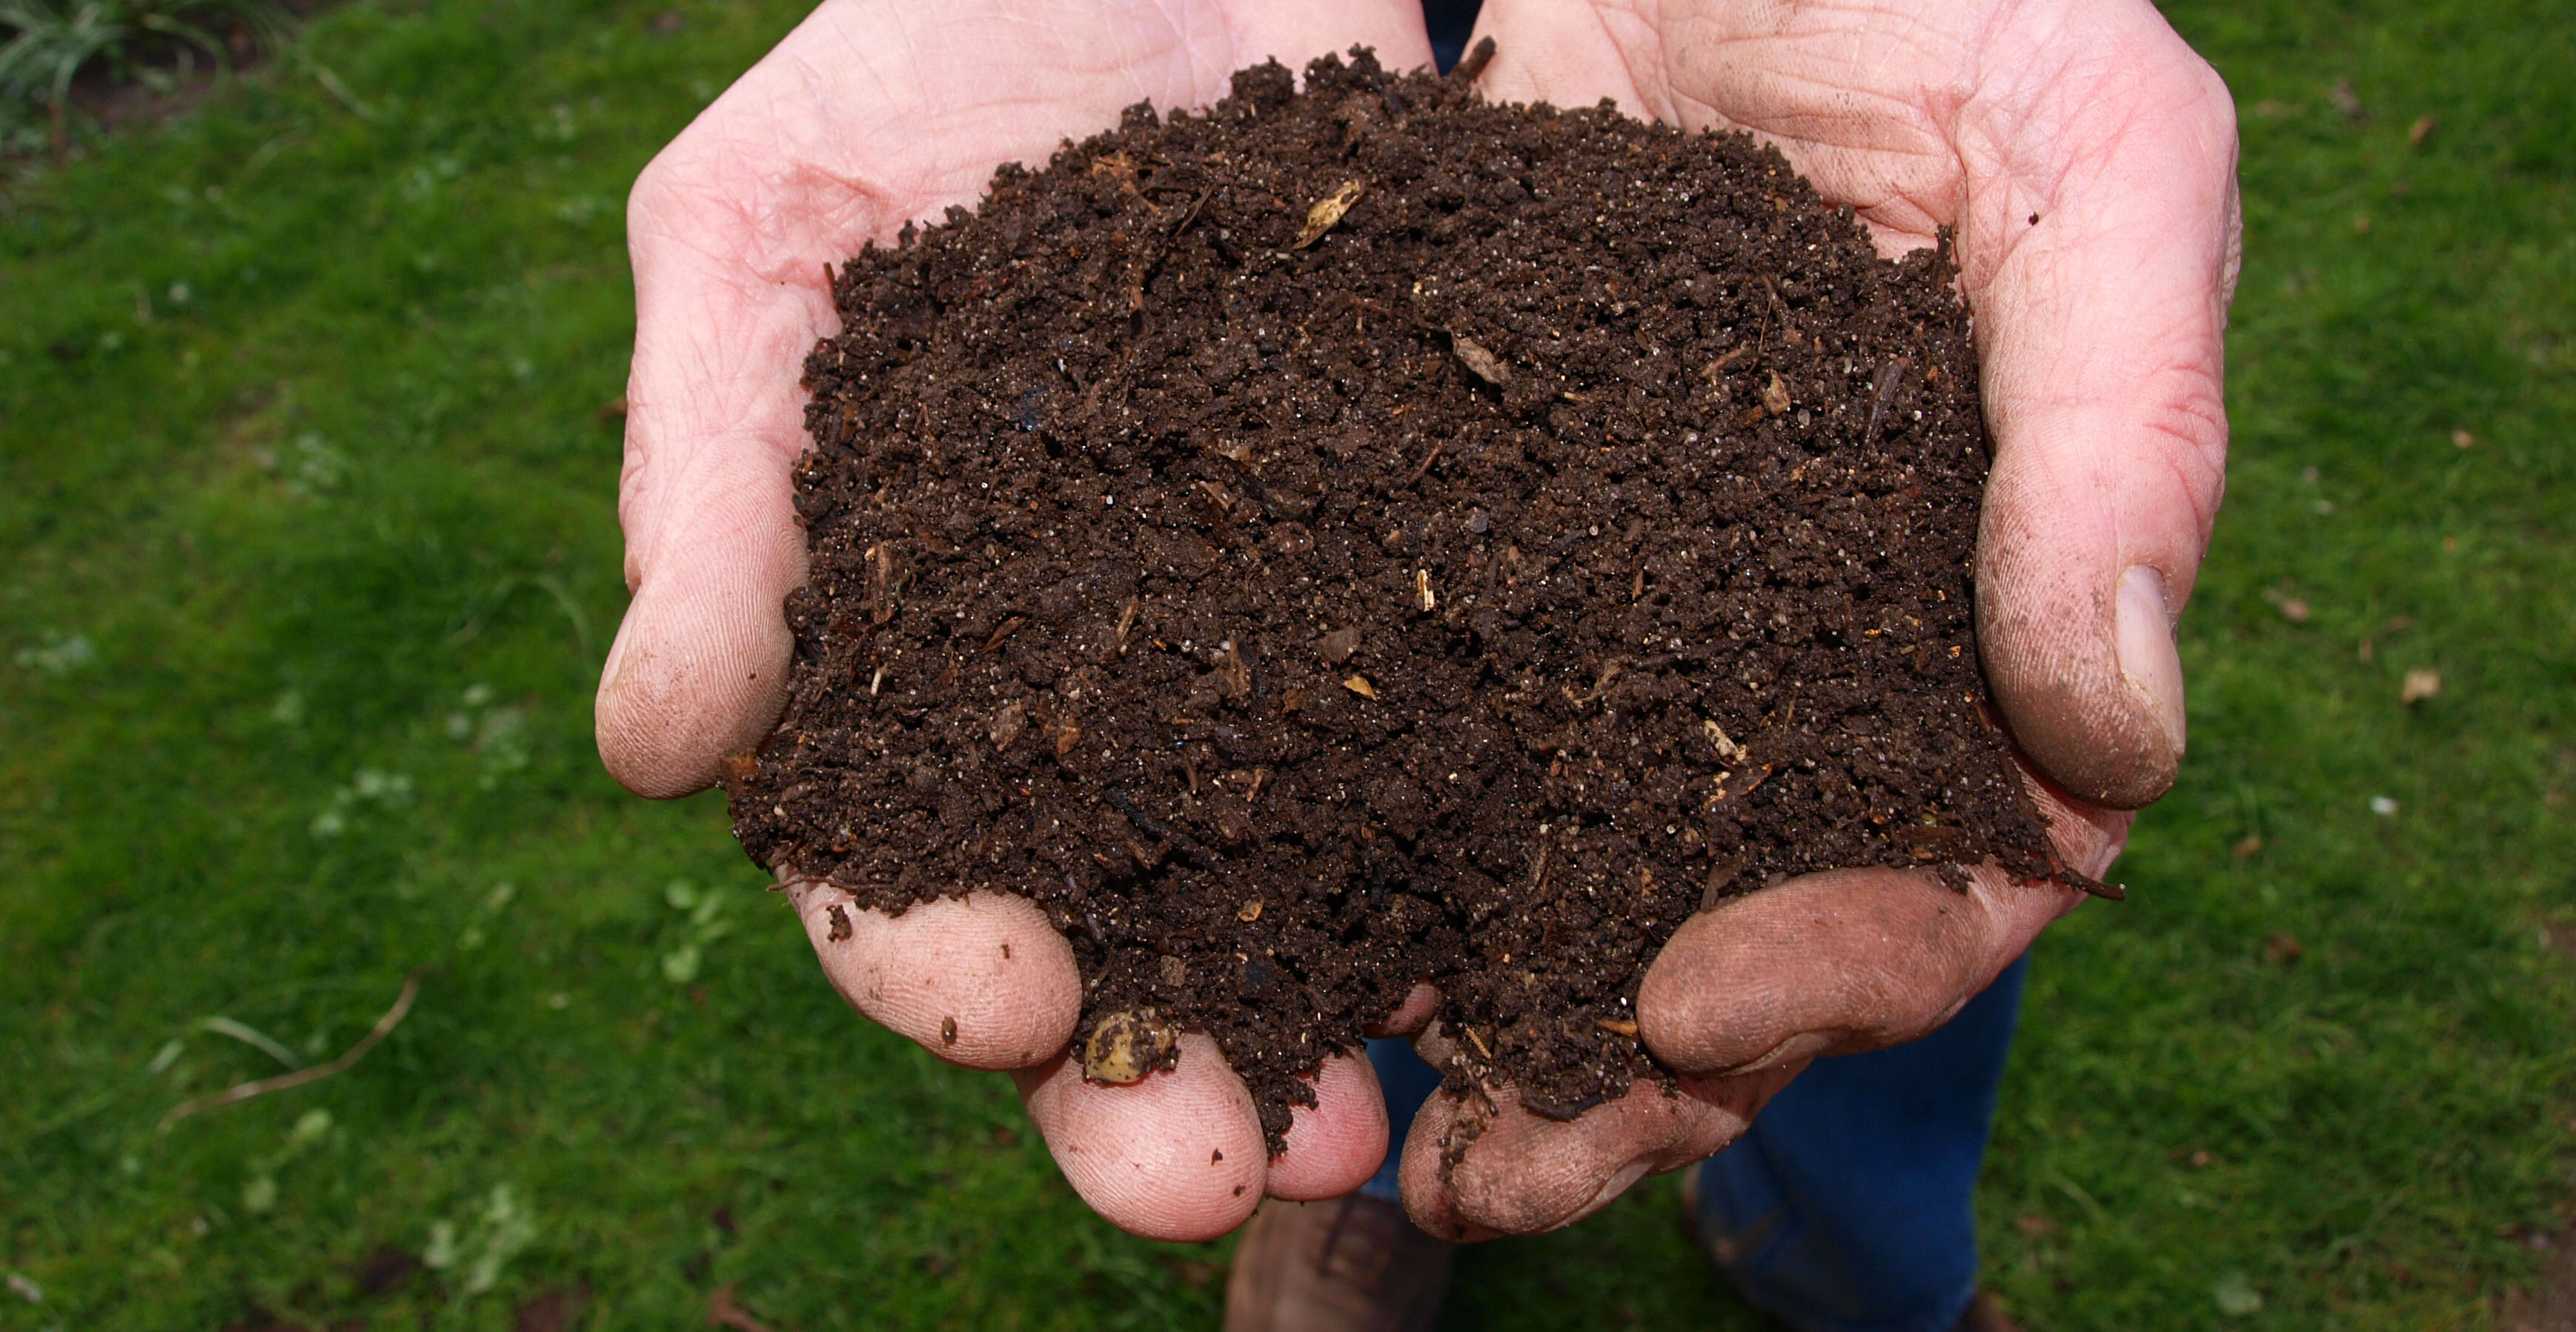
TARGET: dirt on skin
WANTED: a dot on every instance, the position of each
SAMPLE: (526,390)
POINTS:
(1348,538)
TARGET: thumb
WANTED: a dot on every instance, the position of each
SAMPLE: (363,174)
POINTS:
(714,426)
(2101,327)
(699,666)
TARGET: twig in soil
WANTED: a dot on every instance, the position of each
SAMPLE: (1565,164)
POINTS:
(1882,392)
(1427,459)
(1009,627)
(1190,851)
(240,1092)
(1126,621)
(1473,63)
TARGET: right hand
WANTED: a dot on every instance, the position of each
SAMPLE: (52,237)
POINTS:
(873,113)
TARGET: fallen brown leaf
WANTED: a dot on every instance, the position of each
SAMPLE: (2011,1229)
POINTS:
(2420,685)
(2281,950)
(2251,846)
(2421,130)
(2461,439)
(724,1311)
(2295,610)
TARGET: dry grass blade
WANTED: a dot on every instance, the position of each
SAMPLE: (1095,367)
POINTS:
(240,1092)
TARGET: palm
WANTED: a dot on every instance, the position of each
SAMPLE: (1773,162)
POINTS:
(2084,159)
(870,115)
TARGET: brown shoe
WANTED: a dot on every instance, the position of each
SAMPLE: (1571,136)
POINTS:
(1352,1264)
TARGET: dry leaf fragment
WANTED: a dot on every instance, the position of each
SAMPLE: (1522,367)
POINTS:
(2281,949)
(1338,645)
(2294,610)
(1249,911)
(1326,212)
(1359,684)
(1617,1026)
(1474,355)
(1007,724)
(2421,130)
(1066,737)
(2461,439)
(1775,395)
(1725,745)
(2250,847)
(2420,685)
(880,583)
(1422,594)
(1716,369)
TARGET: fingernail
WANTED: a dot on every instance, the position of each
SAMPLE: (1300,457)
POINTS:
(1805,1045)
(2144,636)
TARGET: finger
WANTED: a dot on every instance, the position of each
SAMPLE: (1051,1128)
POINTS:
(1833,963)
(982,981)
(1482,1166)
(1336,1144)
(1419,1004)
(1177,1156)
(2100,331)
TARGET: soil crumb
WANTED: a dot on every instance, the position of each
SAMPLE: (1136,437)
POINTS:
(1341,539)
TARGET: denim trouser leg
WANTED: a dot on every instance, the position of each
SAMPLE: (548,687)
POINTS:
(1846,1207)
(1406,1082)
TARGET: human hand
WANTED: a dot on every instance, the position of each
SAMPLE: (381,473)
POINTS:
(870,114)
(2086,159)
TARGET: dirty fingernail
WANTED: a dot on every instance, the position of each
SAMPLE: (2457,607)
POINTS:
(2148,661)
(1805,1045)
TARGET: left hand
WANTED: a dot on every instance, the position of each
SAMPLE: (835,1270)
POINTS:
(2086,159)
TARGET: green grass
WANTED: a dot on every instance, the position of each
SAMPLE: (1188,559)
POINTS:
(307,558)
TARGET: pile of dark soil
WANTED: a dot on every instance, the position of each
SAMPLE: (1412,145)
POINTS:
(1366,536)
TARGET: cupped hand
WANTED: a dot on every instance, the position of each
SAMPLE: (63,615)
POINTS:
(2085,159)
(873,113)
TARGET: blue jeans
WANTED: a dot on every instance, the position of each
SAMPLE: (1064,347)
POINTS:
(1846,1207)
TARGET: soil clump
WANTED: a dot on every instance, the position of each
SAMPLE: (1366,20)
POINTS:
(1348,538)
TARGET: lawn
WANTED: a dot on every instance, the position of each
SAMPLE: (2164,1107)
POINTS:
(308,556)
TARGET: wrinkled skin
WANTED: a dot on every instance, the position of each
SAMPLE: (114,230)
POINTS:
(2100,332)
